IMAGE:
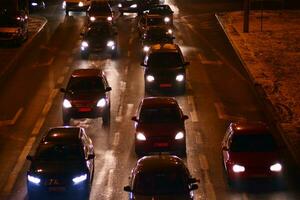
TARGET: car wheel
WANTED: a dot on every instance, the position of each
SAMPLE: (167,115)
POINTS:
(67,12)
(85,56)
(106,117)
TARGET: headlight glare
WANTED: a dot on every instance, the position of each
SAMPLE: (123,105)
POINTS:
(84,44)
(146,48)
(150,78)
(167,19)
(33,179)
(67,104)
(133,6)
(80,4)
(64,5)
(277,167)
(179,77)
(79,179)
(141,137)
(238,168)
(110,43)
(179,136)
(92,18)
(120,5)
(101,103)
(109,18)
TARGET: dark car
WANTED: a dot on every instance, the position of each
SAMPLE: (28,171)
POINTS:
(87,95)
(100,11)
(161,177)
(162,9)
(135,6)
(250,152)
(159,126)
(36,5)
(63,164)
(99,37)
(148,21)
(165,68)
(156,35)
(76,5)
(13,24)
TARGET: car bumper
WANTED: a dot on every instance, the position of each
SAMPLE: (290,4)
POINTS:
(165,85)
(84,112)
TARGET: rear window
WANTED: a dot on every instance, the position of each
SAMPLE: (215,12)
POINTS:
(155,21)
(160,115)
(78,84)
(164,60)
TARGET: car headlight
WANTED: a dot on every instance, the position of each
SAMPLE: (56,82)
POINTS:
(146,48)
(109,18)
(120,5)
(140,136)
(67,104)
(179,77)
(84,44)
(110,43)
(79,179)
(64,5)
(133,6)
(238,168)
(101,103)
(277,167)
(33,179)
(150,78)
(80,4)
(179,136)
(92,18)
(34,4)
(170,31)
(167,19)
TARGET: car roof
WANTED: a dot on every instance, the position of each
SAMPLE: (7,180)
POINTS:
(249,128)
(153,102)
(154,163)
(166,47)
(87,73)
(63,134)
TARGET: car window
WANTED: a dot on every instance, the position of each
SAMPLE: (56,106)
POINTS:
(103,8)
(160,183)
(253,143)
(155,21)
(59,152)
(164,60)
(160,115)
(85,83)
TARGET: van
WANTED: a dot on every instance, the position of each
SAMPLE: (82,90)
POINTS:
(76,5)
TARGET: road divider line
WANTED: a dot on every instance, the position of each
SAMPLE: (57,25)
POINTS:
(128,53)
(130,41)
(129,109)
(109,187)
(193,113)
(116,139)
(12,121)
(222,113)
(209,188)
(60,80)
(203,162)
(20,162)
(199,139)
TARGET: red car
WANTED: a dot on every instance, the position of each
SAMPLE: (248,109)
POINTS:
(160,126)
(250,152)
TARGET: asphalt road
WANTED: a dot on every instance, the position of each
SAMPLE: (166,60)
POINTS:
(218,92)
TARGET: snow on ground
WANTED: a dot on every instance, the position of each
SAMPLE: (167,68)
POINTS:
(271,54)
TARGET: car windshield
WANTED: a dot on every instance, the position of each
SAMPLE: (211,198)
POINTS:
(164,60)
(98,31)
(59,152)
(160,183)
(160,10)
(100,8)
(253,143)
(78,84)
(160,115)
(155,21)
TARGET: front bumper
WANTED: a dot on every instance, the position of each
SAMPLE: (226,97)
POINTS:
(84,112)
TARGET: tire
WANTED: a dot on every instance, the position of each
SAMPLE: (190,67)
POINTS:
(84,56)
(106,117)
(67,12)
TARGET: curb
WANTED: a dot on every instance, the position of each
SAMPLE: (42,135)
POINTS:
(25,47)
(261,94)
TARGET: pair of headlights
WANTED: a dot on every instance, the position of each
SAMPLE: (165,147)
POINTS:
(277,167)
(85,44)
(77,179)
(109,18)
(141,137)
(101,103)
(179,78)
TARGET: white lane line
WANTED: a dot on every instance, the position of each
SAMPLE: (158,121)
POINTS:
(130,41)
(12,121)
(128,53)
(223,115)
(119,114)
(20,162)
(199,139)
(60,80)
(116,139)
(109,162)
(109,187)
(193,113)
(129,109)
(126,70)
(122,86)
(209,188)
(203,162)
(205,61)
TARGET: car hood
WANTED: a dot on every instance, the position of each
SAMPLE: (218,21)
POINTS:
(54,168)
(254,158)
(162,197)
(86,96)
(160,129)
(164,69)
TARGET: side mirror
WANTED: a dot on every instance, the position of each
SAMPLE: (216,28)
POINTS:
(194,187)
(91,156)
(108,89)
(187,63)
(127,188)
(185,117)
(143,64)
(63,90)
(134,118)
(29,157)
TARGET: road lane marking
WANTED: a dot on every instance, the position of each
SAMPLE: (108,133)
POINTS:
(193,113)
(60,80)
(205,61)
(130,41)
(116,139)
(203,162)
(20,162)
(12,121)
(128,53)
(109,162)
(109,187)
(129,109)
(209,188)
(199,139)
(223,115)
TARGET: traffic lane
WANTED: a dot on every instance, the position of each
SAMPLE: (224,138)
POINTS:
(33,84)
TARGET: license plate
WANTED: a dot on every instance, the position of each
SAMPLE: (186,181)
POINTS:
(165,85)
(161,144)
(57,189)
(84,109)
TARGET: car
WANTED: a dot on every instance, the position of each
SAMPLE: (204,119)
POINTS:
(63,164)
(135,6)
(13,24)
(164,68)
(161,177)
(162,9)
(36,5)
(156,35)
(87,95)
(159,127)
(100,11)
(75,5)
(147,21)
(99,37)
(250,151)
